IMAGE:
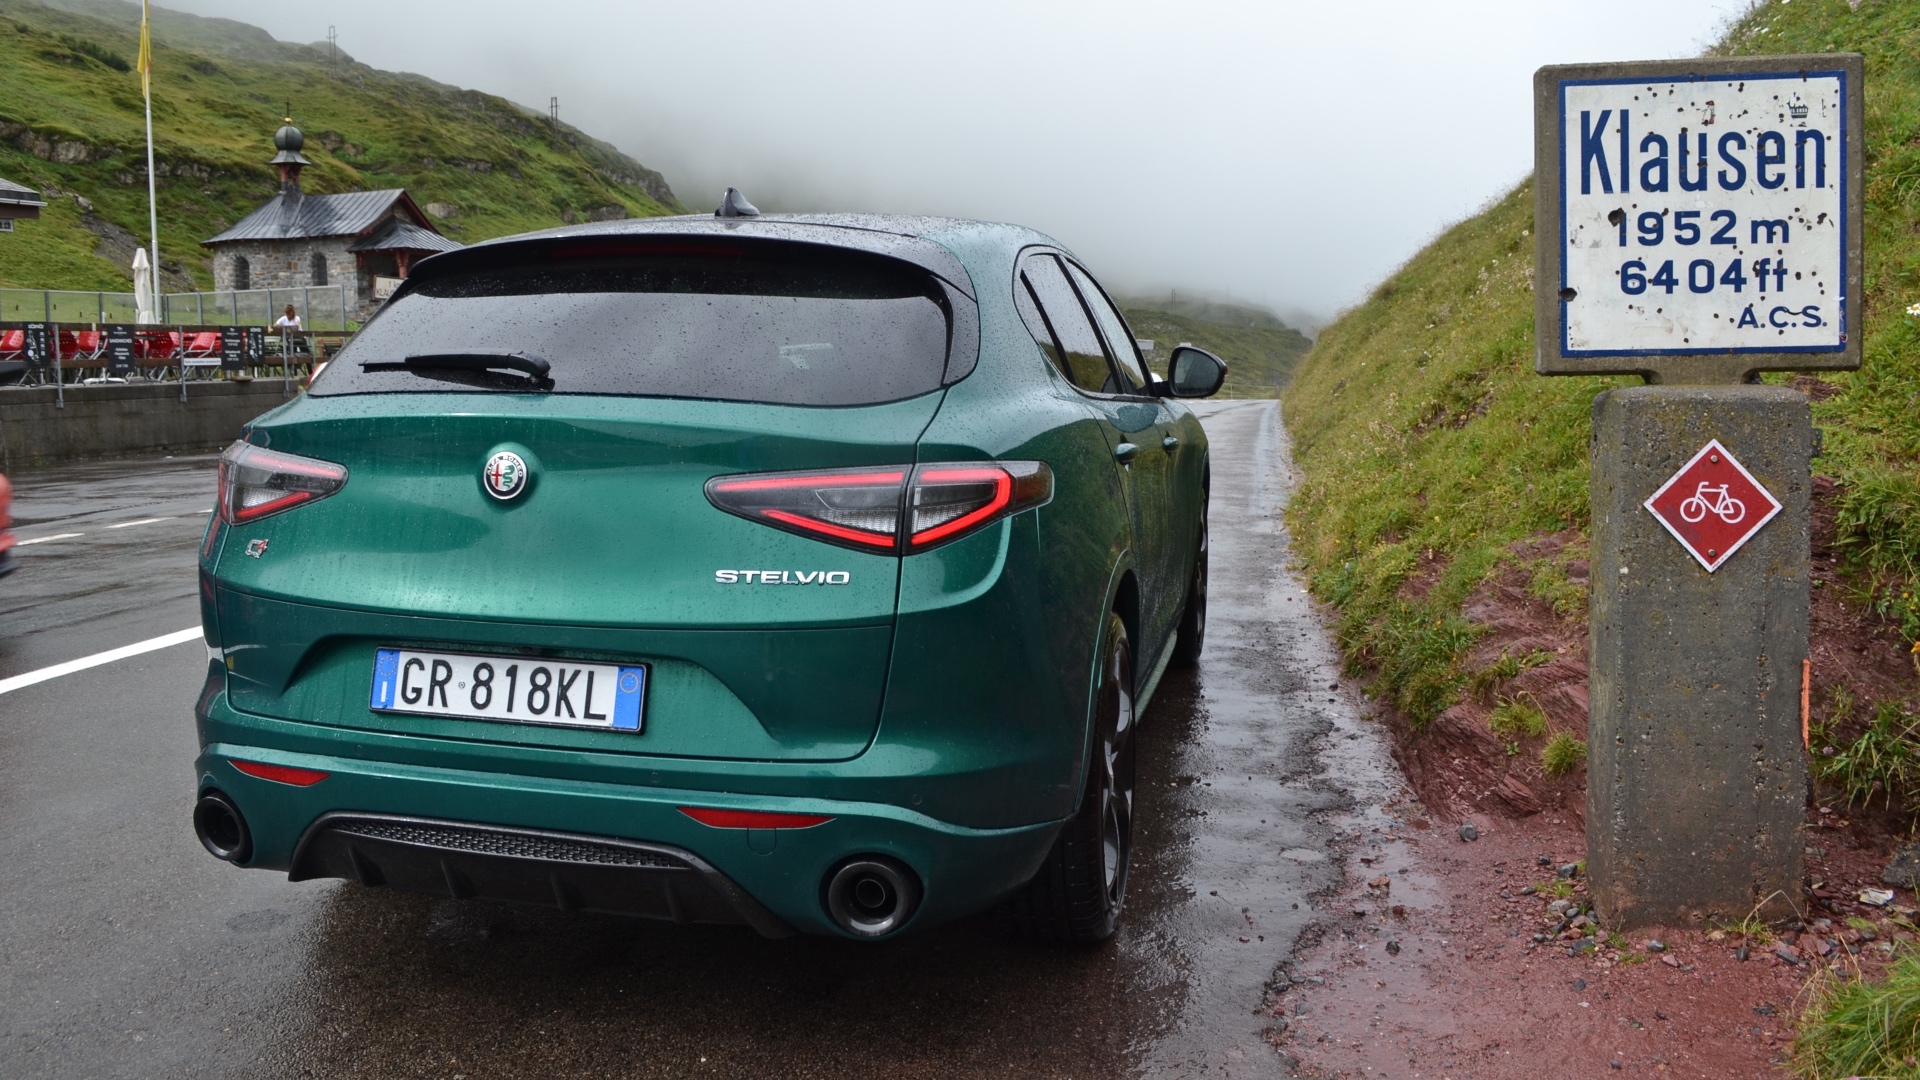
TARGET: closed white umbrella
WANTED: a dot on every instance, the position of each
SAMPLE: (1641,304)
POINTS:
(143,287)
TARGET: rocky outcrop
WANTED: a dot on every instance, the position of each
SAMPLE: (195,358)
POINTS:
(59,147)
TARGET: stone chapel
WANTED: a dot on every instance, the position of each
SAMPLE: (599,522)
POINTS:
(365,240)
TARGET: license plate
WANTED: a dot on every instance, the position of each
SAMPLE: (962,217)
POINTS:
(511,688)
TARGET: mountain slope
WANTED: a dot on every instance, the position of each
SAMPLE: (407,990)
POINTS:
(1260,350)
(71,124)
(1438,464)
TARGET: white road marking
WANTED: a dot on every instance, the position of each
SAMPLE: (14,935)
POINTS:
(165,641)
(142,521)
(44,539)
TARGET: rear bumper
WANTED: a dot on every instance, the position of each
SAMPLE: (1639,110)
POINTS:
(528,866)
(769,879)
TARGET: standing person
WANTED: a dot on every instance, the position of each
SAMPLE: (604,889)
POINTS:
(287,325)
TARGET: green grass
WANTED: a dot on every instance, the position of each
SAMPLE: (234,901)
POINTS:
(1563,754)
(1516,719)
(1863,1028)
(1420,427)
(1261,351)
(1486,680)
(71,124)
(1558,888)
(1882,760)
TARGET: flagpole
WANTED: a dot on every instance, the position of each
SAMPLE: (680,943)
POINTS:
(153,206)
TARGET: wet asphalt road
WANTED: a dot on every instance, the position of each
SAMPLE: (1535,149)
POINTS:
(127,951)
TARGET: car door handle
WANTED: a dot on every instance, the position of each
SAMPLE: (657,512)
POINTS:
(1125,452)
(1169,442)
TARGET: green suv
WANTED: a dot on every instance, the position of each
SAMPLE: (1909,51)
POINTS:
(805,573)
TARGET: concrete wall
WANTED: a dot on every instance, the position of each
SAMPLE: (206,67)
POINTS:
(103,421)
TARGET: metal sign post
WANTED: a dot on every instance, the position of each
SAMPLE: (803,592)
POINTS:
(1698,222)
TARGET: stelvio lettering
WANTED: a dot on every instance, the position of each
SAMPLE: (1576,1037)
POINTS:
(778,577)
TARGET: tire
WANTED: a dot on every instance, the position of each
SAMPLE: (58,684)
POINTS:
(1076,897)
(1193,617)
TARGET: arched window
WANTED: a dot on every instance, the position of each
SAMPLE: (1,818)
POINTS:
(242,273)
(319,275)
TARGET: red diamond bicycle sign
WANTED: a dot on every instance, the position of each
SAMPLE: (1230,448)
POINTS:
(1713,505)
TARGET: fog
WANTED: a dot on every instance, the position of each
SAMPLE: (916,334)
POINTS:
(1283,153)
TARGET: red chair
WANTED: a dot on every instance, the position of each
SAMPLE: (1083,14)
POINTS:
(203,344)
(13,344)
(80,344)
(156,345)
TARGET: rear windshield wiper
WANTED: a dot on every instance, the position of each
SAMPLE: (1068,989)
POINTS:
(534,368)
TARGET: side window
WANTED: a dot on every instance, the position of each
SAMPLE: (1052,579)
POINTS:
(1126,354)
(1084,362)
(1037,323)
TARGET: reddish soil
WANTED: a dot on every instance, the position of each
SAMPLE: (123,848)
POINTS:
(1426,965)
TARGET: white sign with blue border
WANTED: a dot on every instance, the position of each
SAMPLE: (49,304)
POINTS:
(1699,208)
(517,689)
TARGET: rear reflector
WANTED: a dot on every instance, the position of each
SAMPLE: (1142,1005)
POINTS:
(753,819)
(256,482)
(864,509)
(281,774)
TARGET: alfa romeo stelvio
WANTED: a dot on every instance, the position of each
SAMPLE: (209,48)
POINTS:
(806,573)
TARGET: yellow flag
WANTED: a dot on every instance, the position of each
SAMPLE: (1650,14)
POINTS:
(146,51)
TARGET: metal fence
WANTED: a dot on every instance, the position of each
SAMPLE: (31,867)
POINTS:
(325,308)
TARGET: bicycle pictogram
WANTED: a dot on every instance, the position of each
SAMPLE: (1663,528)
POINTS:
(1713,505)
(1696,507)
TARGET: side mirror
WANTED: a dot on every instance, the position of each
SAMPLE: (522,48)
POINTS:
(1194,373)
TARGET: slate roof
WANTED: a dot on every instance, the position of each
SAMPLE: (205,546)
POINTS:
(294,215)
(404,236)
(13,193)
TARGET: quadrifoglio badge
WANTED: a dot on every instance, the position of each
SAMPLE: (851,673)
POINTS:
(781,577)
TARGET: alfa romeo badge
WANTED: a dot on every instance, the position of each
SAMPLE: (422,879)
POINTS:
(505,475)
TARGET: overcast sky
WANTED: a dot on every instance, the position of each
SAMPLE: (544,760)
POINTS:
(1287,153)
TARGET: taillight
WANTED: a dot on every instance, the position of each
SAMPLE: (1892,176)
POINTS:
(865,509)
(255,482)
(856,508)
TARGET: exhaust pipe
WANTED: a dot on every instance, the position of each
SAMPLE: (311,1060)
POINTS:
(221,829)
(871,896)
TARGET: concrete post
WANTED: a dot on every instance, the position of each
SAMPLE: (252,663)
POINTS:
(1697,782)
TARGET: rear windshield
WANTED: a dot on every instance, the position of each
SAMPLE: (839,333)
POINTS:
(780,324)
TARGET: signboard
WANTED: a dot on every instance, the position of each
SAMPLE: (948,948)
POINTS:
(384,287)
(1713,505)
(34,345)
(6,224)
(1698,220)
(232,348)
(119,348)
(256,344)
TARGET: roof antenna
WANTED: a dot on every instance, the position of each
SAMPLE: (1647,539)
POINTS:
(734,204)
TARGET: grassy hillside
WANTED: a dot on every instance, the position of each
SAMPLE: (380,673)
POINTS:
(1260,350)
(71,125)
(1428,444)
